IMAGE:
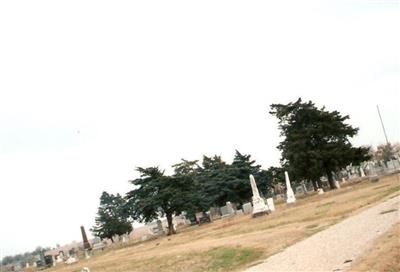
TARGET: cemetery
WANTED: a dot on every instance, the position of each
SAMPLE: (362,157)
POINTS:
(212,215)
(232,238)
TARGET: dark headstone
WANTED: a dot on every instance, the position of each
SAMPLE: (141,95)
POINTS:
(205,218)
(48,261)
(86,244)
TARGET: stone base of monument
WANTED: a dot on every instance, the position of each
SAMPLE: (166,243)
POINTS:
(254,215)
(259,207)
(374,178)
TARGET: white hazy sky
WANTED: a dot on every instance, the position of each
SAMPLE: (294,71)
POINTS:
(91,89)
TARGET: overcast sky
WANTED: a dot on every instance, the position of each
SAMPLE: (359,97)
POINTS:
(89,90)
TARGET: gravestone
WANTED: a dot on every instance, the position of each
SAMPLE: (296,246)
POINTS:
(270,203)
(72,252)
(247,208)
(96,240)
(290,198)
(320,191)
(239,212)
(300,190)
(215,213)
(116,238)
(86,244)
(231,210)
(59,259)
(224,211)
(205,218)
(259,207)
(198,215)
(99,246)
(87,254)
(362,172)
(374,178)
(71,260)
(158,229)
(61,254)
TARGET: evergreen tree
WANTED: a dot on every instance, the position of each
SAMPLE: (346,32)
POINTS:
(112,217)
(222,182)
(316,141)
(212,181)
(239,171)
(157,195)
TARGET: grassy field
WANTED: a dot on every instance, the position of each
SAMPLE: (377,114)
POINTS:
(384,255)
(239,242)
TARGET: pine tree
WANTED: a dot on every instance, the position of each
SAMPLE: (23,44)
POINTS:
(316,141)
(157,195)
(112,217)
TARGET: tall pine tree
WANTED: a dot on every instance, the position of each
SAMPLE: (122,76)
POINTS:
(112,217)
(316,141)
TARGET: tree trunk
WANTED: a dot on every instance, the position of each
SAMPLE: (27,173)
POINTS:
(112,240)
(171,229)
(315,185)
(319,183)
(330,179)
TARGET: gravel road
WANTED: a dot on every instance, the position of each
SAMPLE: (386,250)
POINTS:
(335,248)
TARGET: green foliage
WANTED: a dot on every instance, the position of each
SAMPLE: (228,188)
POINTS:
(213,177)
(193,187)
(27,257)
(112,217)
(156,195)
(221,182)
(227,258)
(316,141)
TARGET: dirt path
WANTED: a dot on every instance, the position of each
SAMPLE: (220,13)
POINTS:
(335,248)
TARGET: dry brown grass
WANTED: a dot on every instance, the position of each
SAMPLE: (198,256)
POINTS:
(384,254)
(232,244)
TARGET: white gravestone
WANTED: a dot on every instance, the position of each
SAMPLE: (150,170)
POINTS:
(362,172)
(290,198)
(231,210)
(247,208)
(320,191)
(87,254)
(71,260)
(270,203)
(259,206)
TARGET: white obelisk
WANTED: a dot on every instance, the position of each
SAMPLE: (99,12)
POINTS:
(290,198)
(259,206)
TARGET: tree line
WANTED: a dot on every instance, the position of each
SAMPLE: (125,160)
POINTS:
(27,257)
(316,143)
